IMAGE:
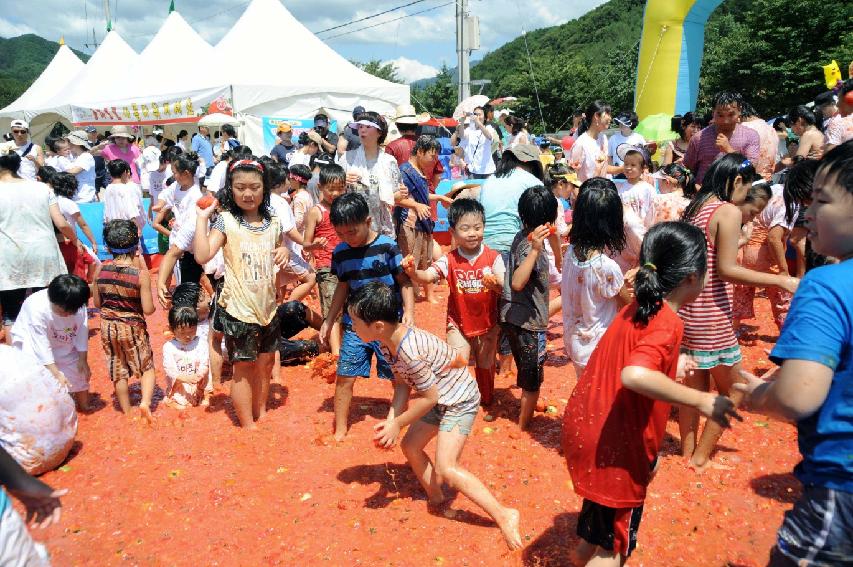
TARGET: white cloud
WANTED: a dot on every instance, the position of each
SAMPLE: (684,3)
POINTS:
(11,29)
(411,70)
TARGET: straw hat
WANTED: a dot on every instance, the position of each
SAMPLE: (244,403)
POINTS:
(121,132)
(405,114)
(79,138)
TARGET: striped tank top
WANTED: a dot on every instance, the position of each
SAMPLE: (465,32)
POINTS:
(708,319)
(118,287)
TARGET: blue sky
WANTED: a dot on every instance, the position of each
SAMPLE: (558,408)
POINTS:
(418,44)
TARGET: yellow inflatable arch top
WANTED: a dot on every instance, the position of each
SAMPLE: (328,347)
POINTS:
(671,55)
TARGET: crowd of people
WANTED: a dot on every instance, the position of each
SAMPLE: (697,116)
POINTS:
(651,251)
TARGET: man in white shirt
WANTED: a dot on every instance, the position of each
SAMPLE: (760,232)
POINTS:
(32,157)
(475,138)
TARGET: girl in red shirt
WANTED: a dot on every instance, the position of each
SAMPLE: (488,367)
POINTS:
(616,418)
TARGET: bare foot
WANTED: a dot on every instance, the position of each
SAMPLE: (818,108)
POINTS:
(509,528)
(340,435)
(205,402)
(251,427)
(700,468)
(434,300)
(145,412)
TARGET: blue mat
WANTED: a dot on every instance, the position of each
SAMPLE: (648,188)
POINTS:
(94,215)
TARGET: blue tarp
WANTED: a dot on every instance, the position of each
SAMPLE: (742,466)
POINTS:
(93,213)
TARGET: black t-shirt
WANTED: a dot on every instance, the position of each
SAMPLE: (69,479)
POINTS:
(282,153)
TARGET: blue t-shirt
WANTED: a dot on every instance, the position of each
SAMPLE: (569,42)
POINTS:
(379,260)
(499,197)
(419,191)
(819,328)
(202,147)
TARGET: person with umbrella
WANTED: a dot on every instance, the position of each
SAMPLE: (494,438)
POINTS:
(475,138)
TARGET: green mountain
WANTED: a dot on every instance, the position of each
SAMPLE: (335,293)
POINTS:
(769,50)
(22,59)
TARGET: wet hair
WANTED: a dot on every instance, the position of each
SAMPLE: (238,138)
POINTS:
(461,207)
(597,219)
(11,162)
(537,206)
(686,179)
(679,123)
(803,112)
(747,110)
(719,181)
(228,202)
(302,171)
(727,98)
(117,168)
(185,162)
(120,233)
(186,294)
(377,118)
(426,144)
(797,192)
(759,190)
(373,302)
(320,159)
(64,184)
(671,251)
(69,292)
(277,174)
(596,107)
(182,316)
(241,152)
(332,173)
(349,209)
(229,129)
(838,163)
(45,173)
(554,173)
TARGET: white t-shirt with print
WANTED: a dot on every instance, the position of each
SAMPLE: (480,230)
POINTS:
(588,152)
(124,201)
(478,149)
(185,359)
(182,203)
(52,339)
(641,198)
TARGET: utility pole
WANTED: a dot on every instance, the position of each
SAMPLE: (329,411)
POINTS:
(462,51)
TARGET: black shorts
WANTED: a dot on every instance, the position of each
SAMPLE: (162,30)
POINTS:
(11,301)
(529,354)
(191,271)
(245,341)
(612,529)
(215,309)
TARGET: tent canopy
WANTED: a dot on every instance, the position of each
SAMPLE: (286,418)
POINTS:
(64,66)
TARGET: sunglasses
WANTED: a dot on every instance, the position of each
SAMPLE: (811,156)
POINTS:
(19,131)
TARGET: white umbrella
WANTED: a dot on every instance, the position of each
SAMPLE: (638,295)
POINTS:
(469,104)
(217,119)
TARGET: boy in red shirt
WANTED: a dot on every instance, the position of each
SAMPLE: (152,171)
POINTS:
(475,275)
(616,418)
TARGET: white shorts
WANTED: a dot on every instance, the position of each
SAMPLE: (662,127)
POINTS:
(17,548)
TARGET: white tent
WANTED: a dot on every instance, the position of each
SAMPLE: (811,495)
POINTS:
(62,68)
(111,56)
(167,65)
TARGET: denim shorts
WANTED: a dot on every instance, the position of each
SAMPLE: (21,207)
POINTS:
(448,421)
(356,356)
(818,530)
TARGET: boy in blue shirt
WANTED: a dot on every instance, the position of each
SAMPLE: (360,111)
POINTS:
(363,256)
(814,385)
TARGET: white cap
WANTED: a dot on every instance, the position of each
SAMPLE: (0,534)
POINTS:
(20,124)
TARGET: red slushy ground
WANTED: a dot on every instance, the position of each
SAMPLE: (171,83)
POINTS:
(193,489)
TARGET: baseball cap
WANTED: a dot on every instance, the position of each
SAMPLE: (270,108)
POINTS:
(283,128)
(357,110)
(90,130)
(20,124)
(321,120)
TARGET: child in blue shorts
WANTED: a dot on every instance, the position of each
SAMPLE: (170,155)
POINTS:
(433,396)
(363,256)
(814,385)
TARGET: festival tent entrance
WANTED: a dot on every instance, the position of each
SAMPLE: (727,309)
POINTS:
(241,70)
(64,66)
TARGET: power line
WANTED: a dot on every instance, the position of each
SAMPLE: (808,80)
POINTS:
(390,21)
(394,9)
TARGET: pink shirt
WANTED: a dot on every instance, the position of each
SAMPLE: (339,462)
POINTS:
(703,151)
(112,151)
(768,146)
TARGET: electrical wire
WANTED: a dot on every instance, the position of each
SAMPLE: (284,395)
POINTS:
(394,9)
(532,74)
(390,21)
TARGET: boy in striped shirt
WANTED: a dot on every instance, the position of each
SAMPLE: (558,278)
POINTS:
(445,403)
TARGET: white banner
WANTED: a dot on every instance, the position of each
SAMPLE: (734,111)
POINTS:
(165,111)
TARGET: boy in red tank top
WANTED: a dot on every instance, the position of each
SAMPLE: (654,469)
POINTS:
(320,239)
(475,275)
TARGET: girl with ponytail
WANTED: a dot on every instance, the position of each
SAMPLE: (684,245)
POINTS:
(709,338)
(615,421)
